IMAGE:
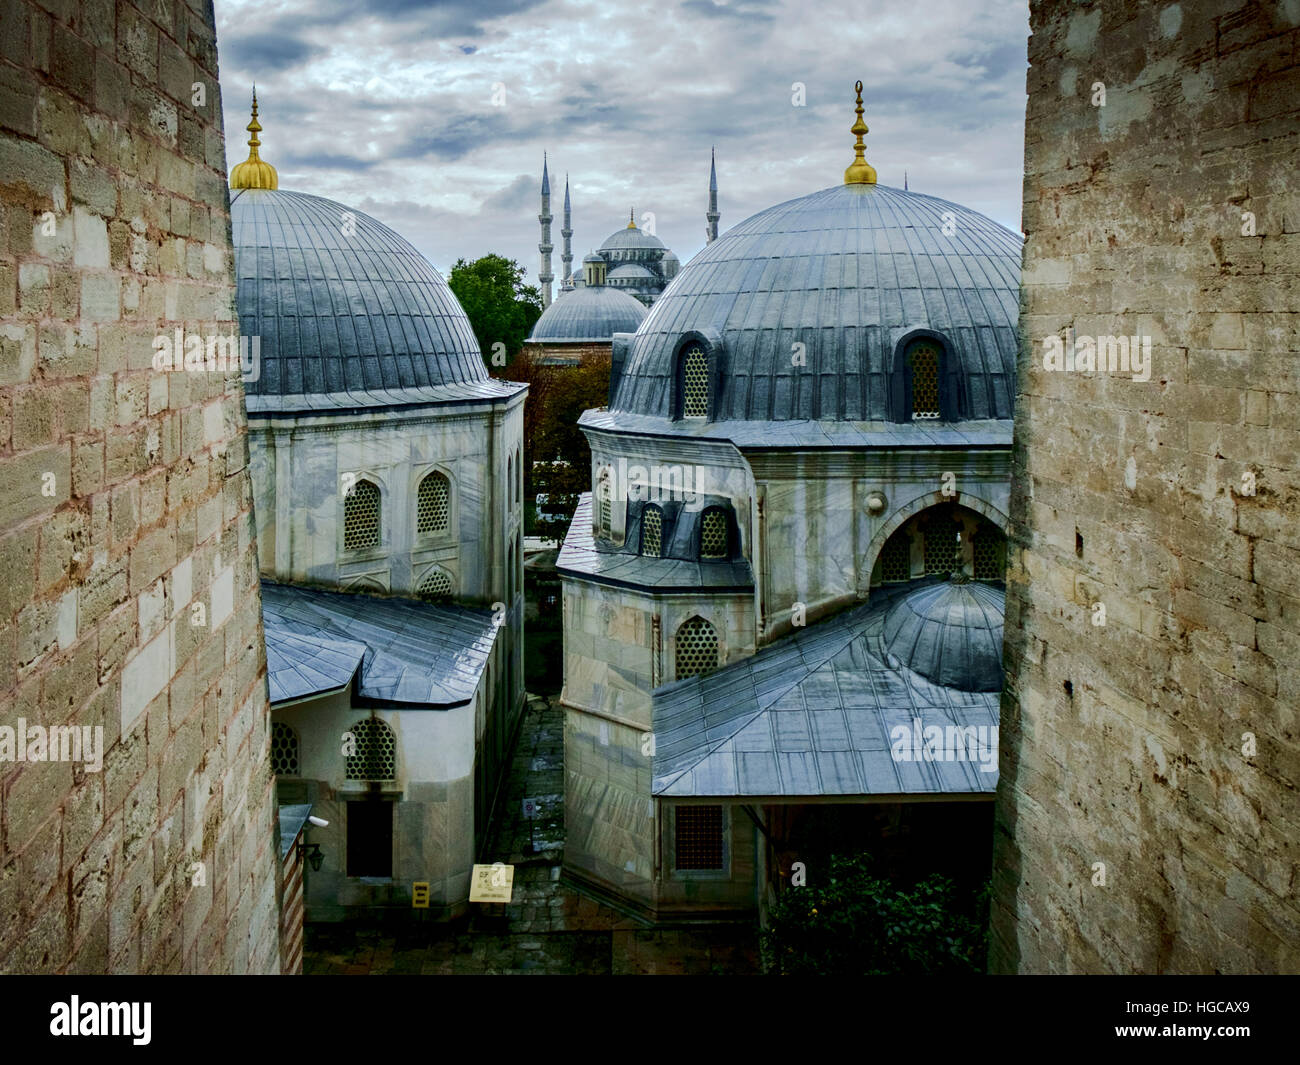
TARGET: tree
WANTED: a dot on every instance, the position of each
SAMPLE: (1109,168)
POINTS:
(857,923)
(501,308)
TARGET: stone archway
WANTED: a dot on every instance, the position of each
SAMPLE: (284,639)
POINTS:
(911,509)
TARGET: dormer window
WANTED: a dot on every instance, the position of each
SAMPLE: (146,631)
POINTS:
(695,384)
(923,368)
(714,542)
(652,532)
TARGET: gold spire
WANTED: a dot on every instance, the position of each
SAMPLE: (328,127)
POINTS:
(253,172)
(631,218)
(859,171)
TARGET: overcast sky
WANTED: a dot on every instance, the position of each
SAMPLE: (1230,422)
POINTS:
(392,107)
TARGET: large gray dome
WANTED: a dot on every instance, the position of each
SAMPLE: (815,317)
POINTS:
(950,633)
(355,319)
(849,272)
(633,239)
(592,313)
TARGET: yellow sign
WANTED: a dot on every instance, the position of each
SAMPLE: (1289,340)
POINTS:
(420,894)
(492,883)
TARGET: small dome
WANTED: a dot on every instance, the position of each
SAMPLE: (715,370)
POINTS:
(591,257)
(349,314)
(950,633)
(592,313)
(629,272)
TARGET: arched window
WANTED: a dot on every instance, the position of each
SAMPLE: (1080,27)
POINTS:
(652,532)
(989,549)
(695,384)
(604,508)
(284,750)
(361,516)
(510,479)
(942,539)
(923,368)
(697,648)
(713,534)
(896,557)
(433,505)
(374,754)
(436,585)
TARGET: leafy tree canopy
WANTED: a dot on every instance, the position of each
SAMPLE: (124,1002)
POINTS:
(501,308)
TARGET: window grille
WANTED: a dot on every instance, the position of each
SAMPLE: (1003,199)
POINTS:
(433,505)
(698,837)
(713,534)
(605,513)
(697,648)
(361,516)
(924,361)
(652,526)
(436,585)
(942,548)
(695,384)
(374,756)
(990,557)
(896,558)
(284,750)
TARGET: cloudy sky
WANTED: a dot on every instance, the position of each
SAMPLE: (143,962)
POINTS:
(432,116)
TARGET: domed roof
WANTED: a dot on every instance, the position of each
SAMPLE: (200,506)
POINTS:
(632,238)
(950,633)
(591,257)
(592,313)
(346,320)
(849,272)
(630,270)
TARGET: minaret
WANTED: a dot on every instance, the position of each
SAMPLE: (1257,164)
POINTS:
(566,232)
(711,232)
(546,247)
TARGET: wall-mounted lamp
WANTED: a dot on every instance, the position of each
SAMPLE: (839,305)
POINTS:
(313,854)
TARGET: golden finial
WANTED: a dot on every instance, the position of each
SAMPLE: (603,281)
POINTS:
(860,172)
(631,218)
(254,172)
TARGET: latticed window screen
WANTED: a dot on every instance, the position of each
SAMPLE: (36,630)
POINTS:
(695,384)
(433,505)
(361,516)
(436,585)
(713,534)
(603,492)
(990,555)
(924,362)
(375,754)
(652,532)
(896,558)
(697,648)
(699,837)
(942,548)
(284,749)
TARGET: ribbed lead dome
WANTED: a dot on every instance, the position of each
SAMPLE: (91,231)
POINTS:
(592,313)
(950,633)
(848,272)
(349,314)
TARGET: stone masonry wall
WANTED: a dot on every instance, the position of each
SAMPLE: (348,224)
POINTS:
(129,597)
(1148,817)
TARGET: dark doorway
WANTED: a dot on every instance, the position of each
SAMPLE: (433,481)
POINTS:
(370,838)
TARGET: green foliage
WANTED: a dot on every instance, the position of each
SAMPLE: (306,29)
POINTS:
(856,923)
(501,308)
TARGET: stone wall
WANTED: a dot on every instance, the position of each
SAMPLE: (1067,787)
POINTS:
(130,598)
(1155,744)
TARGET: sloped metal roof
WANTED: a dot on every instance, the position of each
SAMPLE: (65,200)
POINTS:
(848,272)
(813,715)
(425,654)
(292,820)
(592,313)
(582,556)
(348,313)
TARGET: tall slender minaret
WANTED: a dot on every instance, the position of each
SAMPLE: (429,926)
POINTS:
(711,232)
(566,258)
(546,247)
